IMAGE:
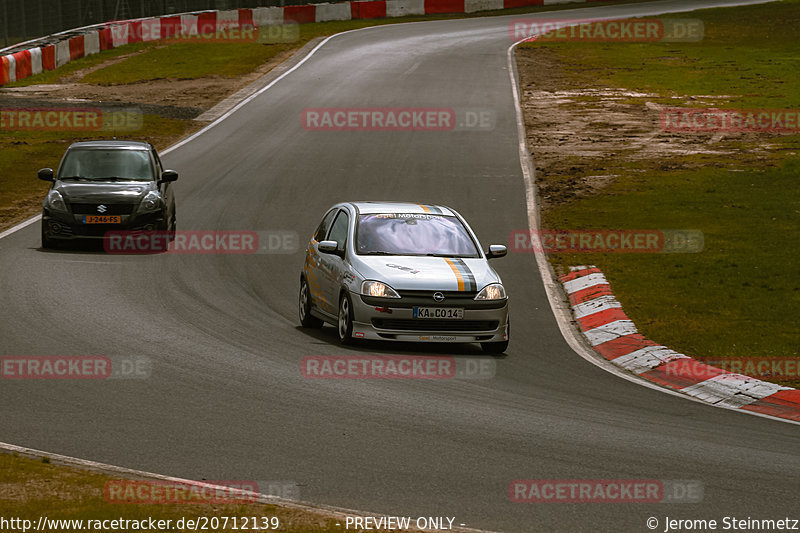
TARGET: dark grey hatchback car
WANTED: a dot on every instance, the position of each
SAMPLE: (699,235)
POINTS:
(103,186)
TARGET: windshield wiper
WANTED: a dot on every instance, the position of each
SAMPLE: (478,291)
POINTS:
(377,253)
(74,178)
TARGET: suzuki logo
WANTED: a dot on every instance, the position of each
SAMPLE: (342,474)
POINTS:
(438,296)
(101,209)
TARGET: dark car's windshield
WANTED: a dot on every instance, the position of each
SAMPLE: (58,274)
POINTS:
(413,234)
(106,164)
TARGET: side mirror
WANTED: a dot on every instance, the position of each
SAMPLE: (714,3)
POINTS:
(496,250)
(168,175)
(46,174)
(329,247)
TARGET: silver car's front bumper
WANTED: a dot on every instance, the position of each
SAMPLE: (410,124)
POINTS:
(394,321)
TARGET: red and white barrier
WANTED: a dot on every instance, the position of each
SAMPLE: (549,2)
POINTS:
(473,6)
(33,61)
(9,69)
(614,336)
(300,14)
(402,8)
(36,61)
(371,9)
(22,64)
(91,43)
(62,53)
(267,16)
(325,12)
(227,19)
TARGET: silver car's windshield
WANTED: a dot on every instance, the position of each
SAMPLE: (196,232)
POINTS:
(413,234)
(98,164)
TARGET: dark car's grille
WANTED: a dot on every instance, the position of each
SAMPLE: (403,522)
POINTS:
(94,230)
(410,324)
(110,209)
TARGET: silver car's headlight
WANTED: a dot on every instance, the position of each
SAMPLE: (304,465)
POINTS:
(150,202)
(495,291)
(377,289)
(55,202)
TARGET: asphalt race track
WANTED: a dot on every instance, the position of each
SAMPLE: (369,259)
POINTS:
(226,400)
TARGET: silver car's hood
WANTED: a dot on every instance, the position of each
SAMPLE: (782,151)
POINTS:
(427,273)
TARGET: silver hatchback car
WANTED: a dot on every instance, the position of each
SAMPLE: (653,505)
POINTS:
(403,272)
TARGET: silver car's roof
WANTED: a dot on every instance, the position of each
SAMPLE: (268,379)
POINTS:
(373,208)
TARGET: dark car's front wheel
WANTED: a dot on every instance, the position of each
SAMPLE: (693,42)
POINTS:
(345,322)
(47,242)
(172,228)
(306,319)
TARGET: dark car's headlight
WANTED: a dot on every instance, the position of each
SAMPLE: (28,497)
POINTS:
(152,201)
(55,202)
(495,291)
(377,289)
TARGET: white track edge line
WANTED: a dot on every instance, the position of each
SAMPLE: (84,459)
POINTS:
(21,225)
(552,288)
(335,512)
(562,314)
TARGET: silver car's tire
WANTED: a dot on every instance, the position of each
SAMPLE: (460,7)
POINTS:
(304,305)
(497,347)
(344,326)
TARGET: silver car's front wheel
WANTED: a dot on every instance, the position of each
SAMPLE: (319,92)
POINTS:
(306,319)
(498,347)
(345,321)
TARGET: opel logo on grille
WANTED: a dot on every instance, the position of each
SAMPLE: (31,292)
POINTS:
(101,209)
(438,296)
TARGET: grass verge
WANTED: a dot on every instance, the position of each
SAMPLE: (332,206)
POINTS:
(34,488)
(735,298)
(230,59)
(22,153)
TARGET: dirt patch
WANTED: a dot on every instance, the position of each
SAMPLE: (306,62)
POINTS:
(79,74)
(20,210)
(584,135)
(185,100)
(172,98)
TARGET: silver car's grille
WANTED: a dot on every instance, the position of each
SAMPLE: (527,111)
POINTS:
(409,299)
(410,324)
(448,295)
